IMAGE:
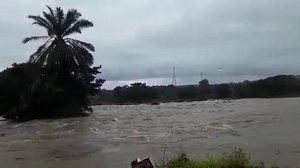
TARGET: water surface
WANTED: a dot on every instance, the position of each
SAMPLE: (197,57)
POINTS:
(115,135)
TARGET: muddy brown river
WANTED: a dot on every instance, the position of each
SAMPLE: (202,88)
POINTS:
(269,130)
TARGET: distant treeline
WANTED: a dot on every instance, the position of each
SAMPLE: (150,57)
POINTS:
(277,86)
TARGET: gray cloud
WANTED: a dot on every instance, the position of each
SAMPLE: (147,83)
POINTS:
(144,39)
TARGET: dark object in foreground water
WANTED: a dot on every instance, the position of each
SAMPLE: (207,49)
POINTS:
(146,163)
(155,103)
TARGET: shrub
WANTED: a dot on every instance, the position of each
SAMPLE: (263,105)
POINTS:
(236,159)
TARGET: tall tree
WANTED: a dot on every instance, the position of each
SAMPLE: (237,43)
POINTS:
(59,77)
(58,50)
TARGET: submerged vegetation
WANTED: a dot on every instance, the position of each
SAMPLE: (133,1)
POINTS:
(236,159)
(58,78)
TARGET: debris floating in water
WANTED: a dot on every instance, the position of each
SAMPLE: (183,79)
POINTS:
(146,163)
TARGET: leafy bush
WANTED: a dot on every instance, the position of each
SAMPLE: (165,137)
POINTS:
(236,159)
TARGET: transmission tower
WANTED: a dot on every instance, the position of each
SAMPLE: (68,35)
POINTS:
(201,75)
(174,77)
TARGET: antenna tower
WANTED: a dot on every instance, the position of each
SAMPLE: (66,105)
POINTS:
(174,77)
(201,75)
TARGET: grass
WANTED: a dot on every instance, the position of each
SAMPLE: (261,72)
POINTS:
(236,159)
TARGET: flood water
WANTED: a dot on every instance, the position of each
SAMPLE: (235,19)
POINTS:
(113,136)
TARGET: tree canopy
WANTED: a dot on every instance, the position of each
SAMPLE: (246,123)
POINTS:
(58,50)
(58,78)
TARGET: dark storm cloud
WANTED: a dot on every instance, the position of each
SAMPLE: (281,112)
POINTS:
(143,39)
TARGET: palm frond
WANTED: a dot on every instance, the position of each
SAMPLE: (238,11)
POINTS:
(82,56)
(78,26)
(40,51)
(71,17)
(50,10)
(51,19)
(27,39)
(38,20)
(60,16)
(88,46)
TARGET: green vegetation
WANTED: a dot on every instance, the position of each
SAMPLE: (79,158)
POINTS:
(237,159)
(277,86)
(58,78)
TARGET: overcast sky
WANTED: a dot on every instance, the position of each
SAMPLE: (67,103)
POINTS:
(141,40)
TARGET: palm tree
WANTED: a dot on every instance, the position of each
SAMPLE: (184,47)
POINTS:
(59,51)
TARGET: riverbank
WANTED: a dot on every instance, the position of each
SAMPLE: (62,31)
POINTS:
(190,100)
(274,87)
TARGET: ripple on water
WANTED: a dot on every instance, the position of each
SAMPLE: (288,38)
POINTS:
(68,152)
